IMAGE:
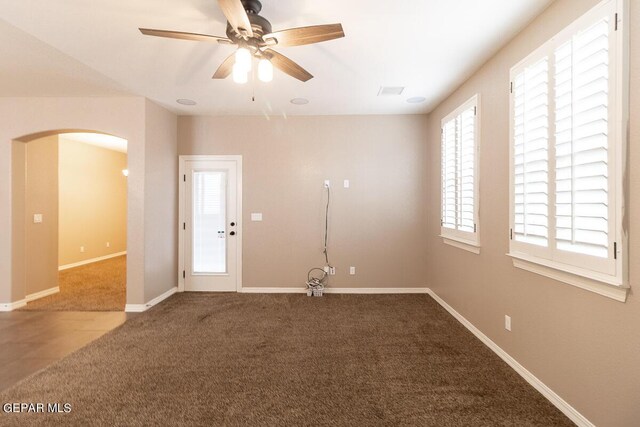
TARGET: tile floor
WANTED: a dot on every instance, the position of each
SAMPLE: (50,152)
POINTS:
(30,341)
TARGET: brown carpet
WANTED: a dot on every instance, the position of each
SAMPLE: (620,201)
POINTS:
(100,286)
(242,359)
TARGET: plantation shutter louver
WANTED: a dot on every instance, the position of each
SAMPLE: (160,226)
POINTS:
(459,173)
(465,124)
(449,162)
(531,154)
(581,119)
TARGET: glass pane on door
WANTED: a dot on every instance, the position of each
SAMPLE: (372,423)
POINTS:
(209,222)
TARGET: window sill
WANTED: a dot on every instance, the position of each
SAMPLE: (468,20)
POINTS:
(589,282)
(461,244)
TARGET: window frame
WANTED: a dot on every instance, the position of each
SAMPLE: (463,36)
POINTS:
(605,276)
(466,240)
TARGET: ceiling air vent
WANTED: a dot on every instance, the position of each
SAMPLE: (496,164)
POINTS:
(390,90)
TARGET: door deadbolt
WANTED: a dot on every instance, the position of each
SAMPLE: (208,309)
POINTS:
(233,224)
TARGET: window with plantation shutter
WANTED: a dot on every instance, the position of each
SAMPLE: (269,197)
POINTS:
(568,125)
(460,176)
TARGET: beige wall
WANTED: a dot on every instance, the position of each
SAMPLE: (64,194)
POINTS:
(92,201)
(123,117)
(584,346)
(161,201)
(377,225)
(18,216)
(41,246)
(35,189)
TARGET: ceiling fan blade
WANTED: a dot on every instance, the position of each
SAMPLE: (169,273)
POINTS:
(288,66)
(236,15)
(225,68)
(306,35)
(184,36)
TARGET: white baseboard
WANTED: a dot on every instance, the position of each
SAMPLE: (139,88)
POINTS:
(559,402)
(331,290)
(258,290)
(139,308)
(379,291)
(10,306)
(91,261)
(37,295)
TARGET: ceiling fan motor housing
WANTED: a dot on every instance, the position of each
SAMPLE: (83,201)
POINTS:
(252,6)
(259,25)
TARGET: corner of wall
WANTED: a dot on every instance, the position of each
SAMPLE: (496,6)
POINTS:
(160,200)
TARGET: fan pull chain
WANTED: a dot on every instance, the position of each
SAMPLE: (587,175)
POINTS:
(253,86)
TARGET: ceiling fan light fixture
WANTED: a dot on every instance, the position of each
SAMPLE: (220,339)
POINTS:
(265,70)
(240,75)
(243,59)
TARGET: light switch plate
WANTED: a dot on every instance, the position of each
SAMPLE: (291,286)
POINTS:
(346,183)
(256,216)
(37,218)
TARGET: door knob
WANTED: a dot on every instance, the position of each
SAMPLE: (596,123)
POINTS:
(233,233)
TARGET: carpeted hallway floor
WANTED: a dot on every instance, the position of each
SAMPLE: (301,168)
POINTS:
(100,286)
(245,359)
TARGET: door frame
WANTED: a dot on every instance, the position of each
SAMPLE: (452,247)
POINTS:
(182,213)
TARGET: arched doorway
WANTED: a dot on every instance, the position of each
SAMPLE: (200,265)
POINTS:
(69,222)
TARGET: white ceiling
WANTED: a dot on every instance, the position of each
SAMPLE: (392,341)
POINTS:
(428,46)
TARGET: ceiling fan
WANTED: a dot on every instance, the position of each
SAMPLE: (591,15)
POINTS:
(254,37)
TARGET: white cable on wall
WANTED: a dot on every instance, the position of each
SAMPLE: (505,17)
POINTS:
(315,285)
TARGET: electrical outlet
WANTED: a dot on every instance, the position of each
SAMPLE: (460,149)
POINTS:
(82,249)
(108,244)
(346,183)
(327,183)
(352,271)
(507,322)
(326,269)
(332,271)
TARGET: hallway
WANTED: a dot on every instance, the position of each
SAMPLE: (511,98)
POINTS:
(99,286)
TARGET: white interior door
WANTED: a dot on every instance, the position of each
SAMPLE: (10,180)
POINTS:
(211,247)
